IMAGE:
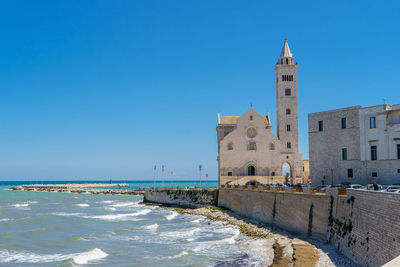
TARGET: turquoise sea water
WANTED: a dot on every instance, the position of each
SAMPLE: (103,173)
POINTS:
(66,229)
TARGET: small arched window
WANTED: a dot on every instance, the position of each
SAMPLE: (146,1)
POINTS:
(288,92)
(289,145)
(251,117)
(271,146)
(288,111)
(252,146)
(230,146)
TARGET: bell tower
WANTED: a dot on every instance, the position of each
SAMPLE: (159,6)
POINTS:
(286,101)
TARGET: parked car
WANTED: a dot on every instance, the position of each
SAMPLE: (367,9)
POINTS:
(393,188)
(324,186)
(355,186)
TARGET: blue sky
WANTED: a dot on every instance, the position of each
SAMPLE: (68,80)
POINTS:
(107,89)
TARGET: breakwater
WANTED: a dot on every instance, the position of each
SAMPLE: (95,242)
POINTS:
(182,197)
(363,225)
(92,188)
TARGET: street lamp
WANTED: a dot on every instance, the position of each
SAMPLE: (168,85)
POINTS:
(154,176)
(162,175)
(206,179)
(200,167)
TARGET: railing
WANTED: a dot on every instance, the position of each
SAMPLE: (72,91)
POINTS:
(282,189)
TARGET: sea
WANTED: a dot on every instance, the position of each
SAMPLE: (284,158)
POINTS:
(71,229)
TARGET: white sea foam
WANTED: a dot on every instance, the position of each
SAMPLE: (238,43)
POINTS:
(107,201)
(171,216)
(68,214)
(232,239)
(82,205)
(85,257)
(183,253)
(5,220)
(196,221)
(24,204)
(151,227)
(120,217)
(110,208)
(9,256)
(125,204)
(181,234)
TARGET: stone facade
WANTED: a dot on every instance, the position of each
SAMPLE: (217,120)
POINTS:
(342,142)
(246,145)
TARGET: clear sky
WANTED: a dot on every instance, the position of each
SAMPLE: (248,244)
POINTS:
(107,89)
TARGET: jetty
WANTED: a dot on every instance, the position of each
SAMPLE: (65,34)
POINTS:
(92,188)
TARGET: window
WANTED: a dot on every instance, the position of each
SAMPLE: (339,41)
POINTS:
(289,145)
(252,146)
(251,117)
(288,111)
(288,128)
(374,155)
(372,122)
(374,174)
(251,132)
(288,92)
(287,61)
(287,78)
(320,126)
(344,123)
(272,173)
(349,173)
(229,173)
(398,151)
(398,170)
(344,153)
(271,146)
(230,146)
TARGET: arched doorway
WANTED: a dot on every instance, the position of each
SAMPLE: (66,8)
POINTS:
(251,170)
(287,173)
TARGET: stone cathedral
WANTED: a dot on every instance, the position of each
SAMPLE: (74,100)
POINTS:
(247,149)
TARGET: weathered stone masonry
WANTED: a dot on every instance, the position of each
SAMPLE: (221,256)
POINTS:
(363,225)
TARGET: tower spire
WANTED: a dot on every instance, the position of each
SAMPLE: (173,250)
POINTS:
(286,50)
(286,57)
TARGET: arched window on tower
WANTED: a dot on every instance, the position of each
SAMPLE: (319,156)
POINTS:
(289,145)
(288,92)
(287,61)
(288,111)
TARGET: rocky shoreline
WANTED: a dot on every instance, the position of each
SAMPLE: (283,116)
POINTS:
(81,188)
(288,249)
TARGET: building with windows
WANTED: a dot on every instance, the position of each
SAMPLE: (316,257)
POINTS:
(247,149)
(355,145)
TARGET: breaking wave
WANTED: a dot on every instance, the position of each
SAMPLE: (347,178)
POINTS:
(24,204)
(183,253)
(9,256)
(122,216)
(171,216)
(82,205)
(150,227)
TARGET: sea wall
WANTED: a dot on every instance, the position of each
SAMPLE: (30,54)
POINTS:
(363,225)
(191,198)
(295,212)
